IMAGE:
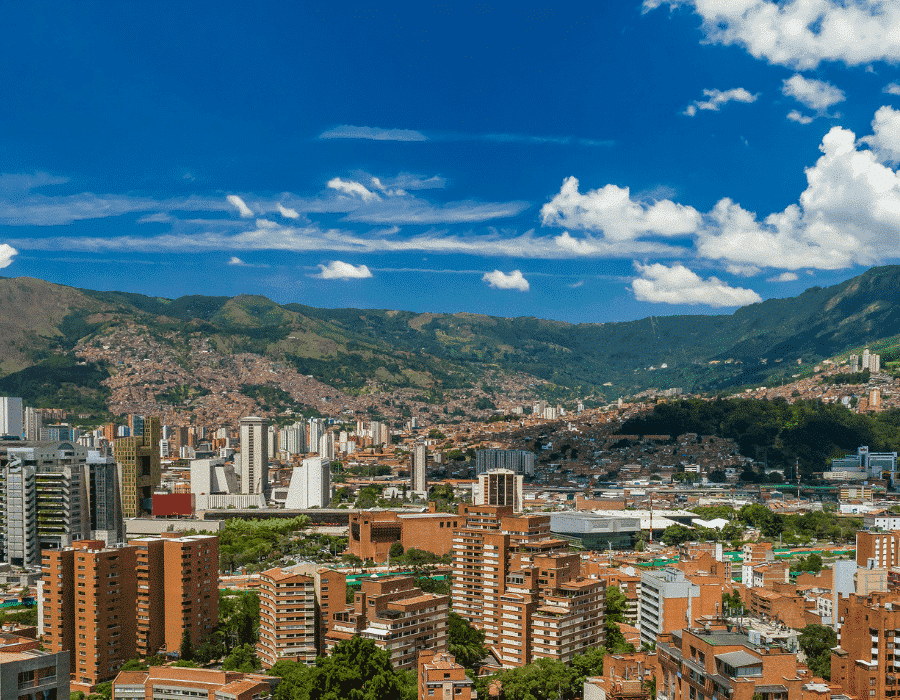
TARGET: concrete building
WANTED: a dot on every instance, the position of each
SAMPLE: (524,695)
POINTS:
(104,499)
(11,417)
(441,677)
(139,467)
(714,662)
(86,607)
(213,476)
(418,461)
(310,484)
(33,422)
(500,487)
(506,564)
(34,675)
(397,616)
(594,531)
(518,461)
(195,683)
(44,500)
(863,664)
(254,455)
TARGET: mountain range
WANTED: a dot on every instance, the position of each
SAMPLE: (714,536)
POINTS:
(62,346)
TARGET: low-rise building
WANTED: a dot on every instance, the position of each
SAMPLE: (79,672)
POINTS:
(441,677)
(195,683)
(32,674)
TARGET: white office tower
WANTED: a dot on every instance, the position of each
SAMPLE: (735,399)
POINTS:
(417,461)
(209,476)
(292,439)
(874,363)
(853,363)
(326,446)
(273,442)
(166,432)
(310,484)
(34,421)
(501,487)
(379,433)
(187,452)
(865,359)
(314,432)
(254,455)
(11,417)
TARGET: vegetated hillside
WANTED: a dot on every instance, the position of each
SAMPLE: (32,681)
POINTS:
(362,351)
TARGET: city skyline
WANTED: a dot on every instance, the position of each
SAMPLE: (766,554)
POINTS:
(584,164)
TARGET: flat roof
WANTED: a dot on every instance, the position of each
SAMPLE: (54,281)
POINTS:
(737,659)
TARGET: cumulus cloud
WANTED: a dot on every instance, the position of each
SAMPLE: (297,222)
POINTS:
(372,133)
(892,89)
(679,285)
(337,270)
(801,33)
(352,188)
(784,277)
(239,204)
(885,139)
(612,211)
(796,116)
(7,253)
(815,94)
(718,98)
(287,212)
(500,280)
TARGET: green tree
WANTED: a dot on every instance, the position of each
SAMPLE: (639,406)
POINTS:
(466,642)
(134,665)
(677,534)
(186,650)
(616,604)
(357,670)
(817,641)
(396,550)
(243,659)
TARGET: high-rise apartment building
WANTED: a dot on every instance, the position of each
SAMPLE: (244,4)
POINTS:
(11,414)
(865,662)
(397,616)
(517,461)
(254,455)
(33,422)
(86,607)
(287,617)
(418,459)
(139,466)
(310,484)
(500,487)
(292,439)
(878,550)
(177,590)
(521,586)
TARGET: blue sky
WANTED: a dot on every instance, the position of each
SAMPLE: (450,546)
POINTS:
(588,162)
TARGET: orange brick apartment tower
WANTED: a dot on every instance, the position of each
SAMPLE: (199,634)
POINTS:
(522,587)
(287,617)
(882,547)
(441,677)
(88,595)
(865,663)
(178,590)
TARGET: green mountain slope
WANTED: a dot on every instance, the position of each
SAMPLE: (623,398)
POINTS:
(361,350)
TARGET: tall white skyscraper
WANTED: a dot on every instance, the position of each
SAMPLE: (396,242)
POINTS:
(314,433)
(326,445)
(273,442)
(417,460)
(254,455)
(310,484)
(11,416)
(34,421)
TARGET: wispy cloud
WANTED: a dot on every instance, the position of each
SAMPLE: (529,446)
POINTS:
(239,204)
(501,280)
(21,182)
(287,212)
(372,133)
(719,98)
(338,270)
(784,277)
(796,116)
(352,188)
(238,262)
(892,89)
(815,94)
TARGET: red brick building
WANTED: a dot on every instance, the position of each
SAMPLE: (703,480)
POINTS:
(441,677)
(373,533)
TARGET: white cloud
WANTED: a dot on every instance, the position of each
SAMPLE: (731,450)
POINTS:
(500,280)
(679,285)
(815,94)
(7,253)
(784,277)
(801,33)
(743,270)
(337,270)
(796,116)
(885,138)
(718,98)
(612,211)
(892,89)
(287,212)
(238,203)
(372,133)
(352,188)
(23,182)
(575,285)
